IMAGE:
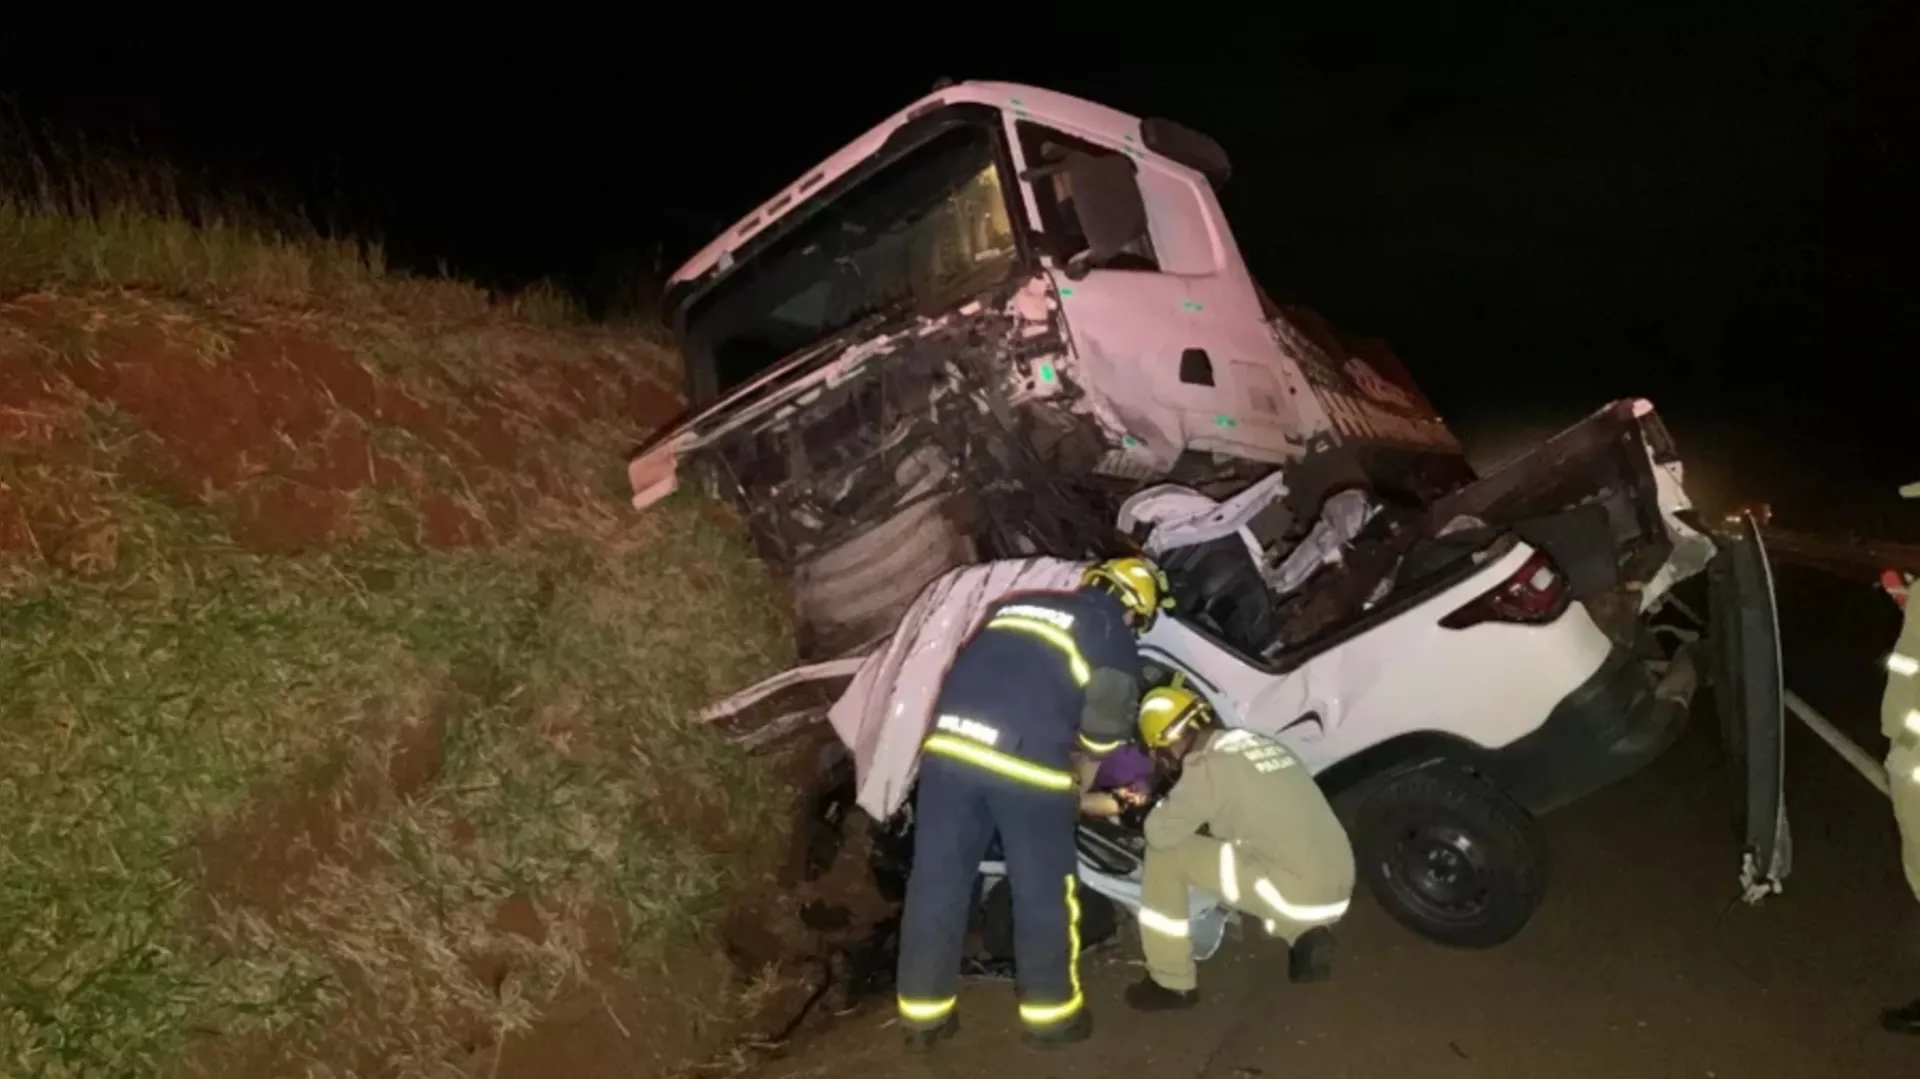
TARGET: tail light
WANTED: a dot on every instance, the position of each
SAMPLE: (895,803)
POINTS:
(1536,593)
(1896,585)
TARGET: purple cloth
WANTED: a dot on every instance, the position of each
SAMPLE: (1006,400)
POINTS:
(1128,766)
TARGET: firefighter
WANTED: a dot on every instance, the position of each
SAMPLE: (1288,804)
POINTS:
(1048,685)
(1900,721)
(1246,823)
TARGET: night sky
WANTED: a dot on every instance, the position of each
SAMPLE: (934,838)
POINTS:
(1540,212)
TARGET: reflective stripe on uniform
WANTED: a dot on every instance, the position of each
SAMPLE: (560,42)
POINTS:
(1058,619)
(993,760)
(1041,1015)
(1913,720)
(1299,912)
(1165,925)
(925,1011)
(1053,635)
(1229,875)
(1096,747)
(1232,739)
(1904,665)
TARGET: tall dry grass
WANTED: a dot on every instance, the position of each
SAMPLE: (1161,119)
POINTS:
(166,694)
(79,215)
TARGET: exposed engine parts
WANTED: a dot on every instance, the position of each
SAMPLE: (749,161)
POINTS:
(935,411)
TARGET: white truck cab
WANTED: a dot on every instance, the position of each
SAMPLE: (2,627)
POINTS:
(1055,275)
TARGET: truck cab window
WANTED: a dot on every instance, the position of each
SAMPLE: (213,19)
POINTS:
(924,229)
(1062,236)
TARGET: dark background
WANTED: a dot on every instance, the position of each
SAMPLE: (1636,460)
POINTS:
(1709,206)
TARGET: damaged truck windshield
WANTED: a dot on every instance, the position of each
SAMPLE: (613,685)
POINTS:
(911,232)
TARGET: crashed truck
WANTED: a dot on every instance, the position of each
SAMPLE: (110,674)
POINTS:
(1008,330)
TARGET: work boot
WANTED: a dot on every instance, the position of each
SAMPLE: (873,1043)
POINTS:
(1904,1019)
(1077,1029)
(1147,995)
(923,1039)
(1310,959)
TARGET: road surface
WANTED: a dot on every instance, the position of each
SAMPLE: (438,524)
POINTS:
(1640,964)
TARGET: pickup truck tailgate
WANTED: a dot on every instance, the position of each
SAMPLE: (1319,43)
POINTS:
(1605,497)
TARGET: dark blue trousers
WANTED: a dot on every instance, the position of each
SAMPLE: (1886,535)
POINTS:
(957,811)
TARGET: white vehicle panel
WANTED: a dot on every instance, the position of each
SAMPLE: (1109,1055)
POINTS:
(1496,681)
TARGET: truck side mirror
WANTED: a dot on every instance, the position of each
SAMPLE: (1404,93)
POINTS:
(1106,198)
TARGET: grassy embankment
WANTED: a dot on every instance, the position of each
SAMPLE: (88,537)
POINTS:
(343,696)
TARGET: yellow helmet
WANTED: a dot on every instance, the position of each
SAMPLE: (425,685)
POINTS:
(1137,583)
(1169,712)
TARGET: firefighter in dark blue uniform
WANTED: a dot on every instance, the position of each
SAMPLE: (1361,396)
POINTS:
(1050,683)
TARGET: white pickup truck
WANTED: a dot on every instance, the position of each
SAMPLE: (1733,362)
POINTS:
(1475,693)
(979,329)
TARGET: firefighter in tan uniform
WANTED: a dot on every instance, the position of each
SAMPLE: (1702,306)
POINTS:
(1245,823)
(1900,722)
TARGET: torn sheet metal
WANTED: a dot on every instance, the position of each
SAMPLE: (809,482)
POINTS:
(882,717)
(1341,519)
(1183,517)
(759,691)
(1154,509)
(1691,550)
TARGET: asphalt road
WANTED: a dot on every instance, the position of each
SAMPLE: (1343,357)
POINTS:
(1641,963)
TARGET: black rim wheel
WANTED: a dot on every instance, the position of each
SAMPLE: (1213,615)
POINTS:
(1441,871)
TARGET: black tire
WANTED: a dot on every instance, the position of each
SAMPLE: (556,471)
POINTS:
(1451,857)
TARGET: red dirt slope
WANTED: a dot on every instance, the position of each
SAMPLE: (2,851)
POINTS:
(152,450)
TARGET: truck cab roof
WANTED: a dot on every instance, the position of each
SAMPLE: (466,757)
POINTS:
(1174,143)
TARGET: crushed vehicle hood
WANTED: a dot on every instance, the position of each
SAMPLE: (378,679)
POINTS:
(798,381)
(652,472)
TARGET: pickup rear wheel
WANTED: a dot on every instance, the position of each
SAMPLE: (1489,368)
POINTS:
(1451,857)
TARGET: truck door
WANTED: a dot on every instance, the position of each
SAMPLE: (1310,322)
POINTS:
(1168,335)
(1749,695)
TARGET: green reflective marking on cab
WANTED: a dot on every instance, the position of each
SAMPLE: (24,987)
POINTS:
(1224,421)
(1066,292)
(1129,441)
(1192,305)
(1046,372)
